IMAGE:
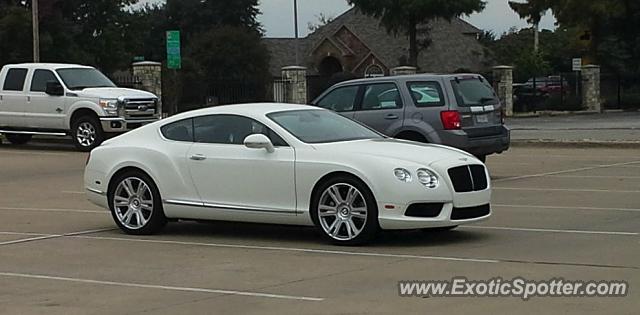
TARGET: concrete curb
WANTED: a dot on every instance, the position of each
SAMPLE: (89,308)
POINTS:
(575,144)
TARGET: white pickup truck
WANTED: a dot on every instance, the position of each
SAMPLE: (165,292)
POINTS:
(69,100)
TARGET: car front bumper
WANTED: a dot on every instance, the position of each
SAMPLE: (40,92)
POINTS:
(119,124)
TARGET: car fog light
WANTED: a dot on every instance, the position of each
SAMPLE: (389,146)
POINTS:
(427,178)
(402,174)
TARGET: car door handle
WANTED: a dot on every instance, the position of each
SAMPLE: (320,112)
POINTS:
(198,157)
(391,116)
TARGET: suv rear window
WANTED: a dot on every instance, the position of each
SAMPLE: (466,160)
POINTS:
(15,79)
(474,92)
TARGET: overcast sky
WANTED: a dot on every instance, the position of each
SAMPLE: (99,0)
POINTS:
(277,15)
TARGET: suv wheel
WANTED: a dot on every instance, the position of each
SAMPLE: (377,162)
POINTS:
(18,139)
(87,133)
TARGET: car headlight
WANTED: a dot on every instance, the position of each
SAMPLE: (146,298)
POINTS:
(427,178)
(109,104)
(402,175)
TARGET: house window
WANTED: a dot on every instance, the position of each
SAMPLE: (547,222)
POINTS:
(373,71)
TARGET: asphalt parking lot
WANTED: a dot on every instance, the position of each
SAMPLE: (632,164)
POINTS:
(558,212)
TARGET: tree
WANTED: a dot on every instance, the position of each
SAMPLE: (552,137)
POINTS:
(532,12)
(322,20)
(405,16)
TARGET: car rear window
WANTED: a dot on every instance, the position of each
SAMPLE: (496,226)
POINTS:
(474,92)
(426,93)
(15,79)
(179,131)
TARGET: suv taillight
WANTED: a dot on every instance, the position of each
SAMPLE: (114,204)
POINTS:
(450,119)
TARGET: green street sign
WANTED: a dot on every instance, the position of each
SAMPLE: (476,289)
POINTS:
(174,60)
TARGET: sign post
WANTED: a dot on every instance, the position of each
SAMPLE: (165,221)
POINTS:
(577,67)
(174,60)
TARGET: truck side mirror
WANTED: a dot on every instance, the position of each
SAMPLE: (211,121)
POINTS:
(54,88)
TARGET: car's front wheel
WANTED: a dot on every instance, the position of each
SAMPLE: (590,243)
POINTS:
(87,133)
(18,139)
(135,204)
(345,211)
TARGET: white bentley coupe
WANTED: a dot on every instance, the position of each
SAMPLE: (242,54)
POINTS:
(284,164)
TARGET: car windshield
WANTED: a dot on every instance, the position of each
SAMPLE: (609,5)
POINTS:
(82,78)
(474,92)
(321,126)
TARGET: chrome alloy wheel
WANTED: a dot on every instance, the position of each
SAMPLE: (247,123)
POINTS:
(86,134)
(342,212)
(133,203)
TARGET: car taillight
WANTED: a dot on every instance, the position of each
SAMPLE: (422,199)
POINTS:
(450,120)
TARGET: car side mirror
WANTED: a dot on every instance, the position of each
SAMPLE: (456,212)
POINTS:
(259,141)
(54,88)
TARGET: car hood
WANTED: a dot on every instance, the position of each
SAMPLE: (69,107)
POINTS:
(113,93)
(409,151)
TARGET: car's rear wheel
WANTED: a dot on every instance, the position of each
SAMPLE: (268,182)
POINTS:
(87,133)
(135,204)
(345,211)
(18,139)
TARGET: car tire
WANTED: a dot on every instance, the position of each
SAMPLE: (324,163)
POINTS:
(87,133)
(135,204)
(439,229)
(18,139)
(345,212)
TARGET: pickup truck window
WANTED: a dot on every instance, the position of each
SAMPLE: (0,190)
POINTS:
(82,78)
(15,79)
(40,79)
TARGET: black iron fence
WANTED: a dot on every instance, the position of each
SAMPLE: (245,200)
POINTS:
(620,91)
(561,92)
(127,81)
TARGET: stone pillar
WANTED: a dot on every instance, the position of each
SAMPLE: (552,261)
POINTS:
(150,75)
(296,77)
(503,84)
(591,88)
(404,70)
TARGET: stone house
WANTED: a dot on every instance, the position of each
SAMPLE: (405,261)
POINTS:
(356,43)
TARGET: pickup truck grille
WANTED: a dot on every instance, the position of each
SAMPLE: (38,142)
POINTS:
(468,178)
(140,108)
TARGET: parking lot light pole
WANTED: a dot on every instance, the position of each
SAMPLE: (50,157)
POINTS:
(295,21)
(36,30)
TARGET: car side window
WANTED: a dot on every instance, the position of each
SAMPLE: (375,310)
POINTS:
(40,80)
(381,96)
(179,131)
(14,81)
(426,93)
(341,99)
(231,129)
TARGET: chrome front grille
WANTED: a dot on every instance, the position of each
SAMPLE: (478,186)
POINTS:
(468,178)
(140,108)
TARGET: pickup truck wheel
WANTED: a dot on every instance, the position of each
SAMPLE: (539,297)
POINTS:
(87,133)
(18,139)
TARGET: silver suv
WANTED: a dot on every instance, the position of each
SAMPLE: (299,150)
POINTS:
(458,110)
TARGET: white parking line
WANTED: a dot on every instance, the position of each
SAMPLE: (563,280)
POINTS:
(564,207)
(567,189)
(31,153)
(595,176)
(548,230)
(50,236)
(161,287)
(564,171)
(288,249)
(54,210)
